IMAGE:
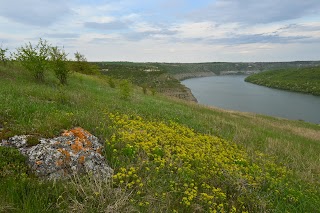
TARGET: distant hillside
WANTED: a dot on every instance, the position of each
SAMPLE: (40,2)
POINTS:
(147,76)
(183,71)
(306,80)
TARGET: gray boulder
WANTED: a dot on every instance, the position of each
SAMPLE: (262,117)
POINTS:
(74,152)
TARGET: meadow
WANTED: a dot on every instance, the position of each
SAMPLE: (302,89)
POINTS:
(169,155)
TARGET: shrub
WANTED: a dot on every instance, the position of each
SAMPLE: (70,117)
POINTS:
(153,91)
(111,82)
(125,89)
(3,57)
(82,66)
(34,58)
(144,88)
(58,59)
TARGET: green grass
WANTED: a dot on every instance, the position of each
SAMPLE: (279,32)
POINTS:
(305,80)
(27,107)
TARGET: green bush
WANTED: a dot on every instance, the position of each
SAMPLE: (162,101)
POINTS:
(3,57)
(111,82)
(58,59)
(153,91)
(125,89)
(144,88)
(34,58)
(81,65)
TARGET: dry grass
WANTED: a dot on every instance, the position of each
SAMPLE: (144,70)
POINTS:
(95,194)
(4,207)
(308,133)
(307,169)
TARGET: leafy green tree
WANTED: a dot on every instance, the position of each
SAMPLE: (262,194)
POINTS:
(81,62)
(79,57)
(58,59)
(34,58)
(81,65)
(3,57)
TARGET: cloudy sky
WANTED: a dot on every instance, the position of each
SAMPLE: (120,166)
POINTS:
(167,30)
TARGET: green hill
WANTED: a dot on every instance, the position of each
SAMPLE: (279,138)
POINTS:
(190,70)
(168,155)
(306,80)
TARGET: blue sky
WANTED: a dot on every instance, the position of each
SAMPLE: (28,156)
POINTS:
(168,30)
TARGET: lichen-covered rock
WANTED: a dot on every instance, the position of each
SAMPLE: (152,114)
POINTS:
(75,151)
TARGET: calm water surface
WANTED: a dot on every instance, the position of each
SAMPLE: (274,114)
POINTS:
(232,92)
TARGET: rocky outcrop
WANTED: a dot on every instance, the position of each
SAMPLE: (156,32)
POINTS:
(183,93)
(238,72)
(187,75)
(75,151)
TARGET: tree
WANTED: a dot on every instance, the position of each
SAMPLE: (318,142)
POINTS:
(81,62)
(79,57)
(81,65)
(3,57)
(34,58)
(58,59)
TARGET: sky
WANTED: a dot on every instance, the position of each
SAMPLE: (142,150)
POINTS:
(167,30)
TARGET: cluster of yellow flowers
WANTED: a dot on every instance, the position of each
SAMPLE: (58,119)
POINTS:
(191,170)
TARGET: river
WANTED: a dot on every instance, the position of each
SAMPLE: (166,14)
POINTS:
(232,92)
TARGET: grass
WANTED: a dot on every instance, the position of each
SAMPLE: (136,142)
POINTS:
(27,107)
(305,80)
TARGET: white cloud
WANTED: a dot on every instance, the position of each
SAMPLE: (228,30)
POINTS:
(253,11)
(34,12)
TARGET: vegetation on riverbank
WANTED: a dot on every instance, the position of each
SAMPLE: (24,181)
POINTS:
(147,76)
(305,80)
(190,70)
(168,155)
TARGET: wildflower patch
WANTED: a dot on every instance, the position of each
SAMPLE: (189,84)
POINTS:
(170,166)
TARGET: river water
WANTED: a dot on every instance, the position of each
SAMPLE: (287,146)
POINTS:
(232,92)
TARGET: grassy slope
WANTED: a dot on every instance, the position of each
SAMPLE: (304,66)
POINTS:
(46,109)
(306,80)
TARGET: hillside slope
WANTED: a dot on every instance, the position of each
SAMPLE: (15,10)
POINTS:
(306,80)
(168,154)
(183,71)
(149,77)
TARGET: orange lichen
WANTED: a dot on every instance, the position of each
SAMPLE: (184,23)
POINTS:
(66,133)
(82,159)
(59,163)
(77,146)
(80,133)
(87,143)
(99,150)
(65,153)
